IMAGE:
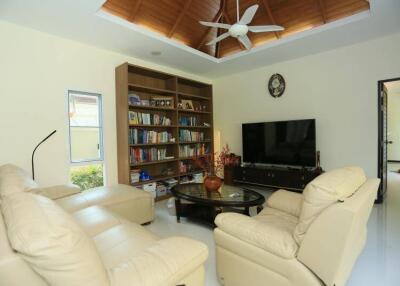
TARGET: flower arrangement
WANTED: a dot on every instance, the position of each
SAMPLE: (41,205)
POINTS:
(214,168)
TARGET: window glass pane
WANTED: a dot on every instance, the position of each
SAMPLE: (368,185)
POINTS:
(85,144)
(89,176)
(84,110)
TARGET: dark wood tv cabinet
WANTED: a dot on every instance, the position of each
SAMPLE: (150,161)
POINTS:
(294,179)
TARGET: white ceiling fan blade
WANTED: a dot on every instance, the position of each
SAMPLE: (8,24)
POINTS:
(245,41)
(215,25)
(219,38)
(267,28)
(248,15)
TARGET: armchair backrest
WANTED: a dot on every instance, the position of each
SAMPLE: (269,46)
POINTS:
(337,236)
(324,191)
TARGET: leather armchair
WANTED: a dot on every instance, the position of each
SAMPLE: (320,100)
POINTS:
(305,239)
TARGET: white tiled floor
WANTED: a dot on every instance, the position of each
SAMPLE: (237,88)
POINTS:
(378,264)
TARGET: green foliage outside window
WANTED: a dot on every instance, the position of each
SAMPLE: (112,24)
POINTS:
(87,177)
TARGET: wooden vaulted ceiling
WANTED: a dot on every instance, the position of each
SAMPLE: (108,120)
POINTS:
(179,19)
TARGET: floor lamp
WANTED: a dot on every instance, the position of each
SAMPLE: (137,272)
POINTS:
(34,150)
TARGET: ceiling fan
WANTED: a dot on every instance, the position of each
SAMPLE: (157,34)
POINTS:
(240,28)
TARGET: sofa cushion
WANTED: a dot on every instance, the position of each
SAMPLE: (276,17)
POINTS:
(14,180)
(51,242)
(163,264)
(289,202)
(271,230)
(325,190)
(123,241)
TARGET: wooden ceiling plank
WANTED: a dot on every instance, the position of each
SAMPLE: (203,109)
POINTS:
(322,9)
(216,18)
(270,15)
(179,19)
(217,46)
(134,10)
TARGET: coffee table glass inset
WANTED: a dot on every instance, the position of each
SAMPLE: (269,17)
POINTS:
(205,206)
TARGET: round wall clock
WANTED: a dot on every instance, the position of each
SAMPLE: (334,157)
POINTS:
(276,85)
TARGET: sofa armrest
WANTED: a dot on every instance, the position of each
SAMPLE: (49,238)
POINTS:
(57,192)
(261,234)
(288,202)
(166,262)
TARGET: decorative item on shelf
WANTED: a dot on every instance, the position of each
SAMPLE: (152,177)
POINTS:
(134,99)
(180,106)
(187,104)
(144,176)
(162,101)
(276,85)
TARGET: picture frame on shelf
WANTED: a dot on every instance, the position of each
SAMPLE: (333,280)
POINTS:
(162,101)
(187,104)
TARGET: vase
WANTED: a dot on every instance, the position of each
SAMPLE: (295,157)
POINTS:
(212,183)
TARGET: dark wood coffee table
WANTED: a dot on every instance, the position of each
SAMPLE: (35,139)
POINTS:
(204,206)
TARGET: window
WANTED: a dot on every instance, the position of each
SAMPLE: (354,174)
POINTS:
(86,139)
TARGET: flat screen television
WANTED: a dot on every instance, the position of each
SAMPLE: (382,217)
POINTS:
(290,143)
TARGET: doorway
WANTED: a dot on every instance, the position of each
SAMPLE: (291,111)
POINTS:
(388,133)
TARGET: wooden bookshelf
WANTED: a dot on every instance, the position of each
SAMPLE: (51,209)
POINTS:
(150,85)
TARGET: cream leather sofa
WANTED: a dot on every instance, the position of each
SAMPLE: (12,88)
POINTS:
(86,243)
(305,239)
(129,202)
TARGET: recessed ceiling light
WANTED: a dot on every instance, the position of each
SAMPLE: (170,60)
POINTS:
(156,53)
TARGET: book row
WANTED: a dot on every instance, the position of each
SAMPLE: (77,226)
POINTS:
(190,136)
(139,155)
(148,119)
(193,150)
(139,136)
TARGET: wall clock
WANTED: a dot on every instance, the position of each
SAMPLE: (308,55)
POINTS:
(276,85)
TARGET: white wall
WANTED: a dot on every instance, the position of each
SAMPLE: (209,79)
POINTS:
(338,88)
(393,125)
(36,70)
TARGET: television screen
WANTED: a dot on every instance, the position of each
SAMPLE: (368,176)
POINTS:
(281,143)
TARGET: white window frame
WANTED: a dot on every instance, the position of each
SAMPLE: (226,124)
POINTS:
(100,160)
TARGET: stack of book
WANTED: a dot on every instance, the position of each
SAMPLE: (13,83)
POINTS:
(140,136)
(190,136)
(134,99)
(192,150)
(148,119)
(140,155)
(135,176)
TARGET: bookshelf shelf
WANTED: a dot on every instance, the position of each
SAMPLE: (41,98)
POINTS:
(193,157)
(153,162)
(192,96)
(190,173)
(155,179)
(149,85)
(193,111)
(152,144)
(165,197)
(148,107)
(143,88)
(194,127)
(152,126)
(194,142)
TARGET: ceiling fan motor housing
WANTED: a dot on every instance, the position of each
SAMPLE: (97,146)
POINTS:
(238,30)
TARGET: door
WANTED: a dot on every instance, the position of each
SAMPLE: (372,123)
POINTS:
(382,141)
